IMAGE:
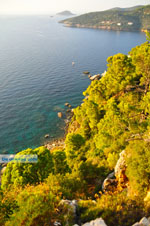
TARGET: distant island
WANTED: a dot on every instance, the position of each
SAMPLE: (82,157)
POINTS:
(65,13)
(121,19)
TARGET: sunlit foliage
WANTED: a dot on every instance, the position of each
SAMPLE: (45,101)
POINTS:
(114,116)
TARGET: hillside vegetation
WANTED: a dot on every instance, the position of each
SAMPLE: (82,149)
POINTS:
(130,19)
(114,118)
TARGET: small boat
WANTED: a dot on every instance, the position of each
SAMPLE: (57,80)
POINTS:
(73,63)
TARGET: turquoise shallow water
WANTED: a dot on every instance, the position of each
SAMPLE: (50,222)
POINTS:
(37,76)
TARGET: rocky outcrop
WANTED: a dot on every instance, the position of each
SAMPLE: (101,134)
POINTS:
(60,144)
(95,77)
(97,222)
(69,208)
(143,222)
(56,223)
(70,211)
(109,183)
(120,170)
(118,178)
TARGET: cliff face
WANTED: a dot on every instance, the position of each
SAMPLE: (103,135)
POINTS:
(135,19)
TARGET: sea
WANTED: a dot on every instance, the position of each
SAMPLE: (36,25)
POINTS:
(37,76)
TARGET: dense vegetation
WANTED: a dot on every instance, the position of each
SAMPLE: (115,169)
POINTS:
(114,116)
(135,19)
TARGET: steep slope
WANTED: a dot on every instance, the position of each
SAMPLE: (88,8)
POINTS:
(109,131)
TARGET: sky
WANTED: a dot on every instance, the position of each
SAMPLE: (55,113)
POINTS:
(53,6)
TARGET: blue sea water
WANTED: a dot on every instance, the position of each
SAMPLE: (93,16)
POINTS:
(37,76)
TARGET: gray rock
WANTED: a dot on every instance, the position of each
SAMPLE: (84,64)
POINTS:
(120,169)
(97,222)
(95,77)
(120,164)
(111,175)
(56,223)
(72,210)
(109,184)
(144,221)
(109,181)
(75,202)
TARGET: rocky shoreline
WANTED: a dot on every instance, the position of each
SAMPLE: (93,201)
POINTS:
(60,142)
(67,116)
(101,27)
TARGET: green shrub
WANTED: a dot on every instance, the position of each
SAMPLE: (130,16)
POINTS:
(74,141)
(60,162)
(68,186)
(138,167)
(115,209)
(88,210)
(36,206)
(21,174)
(7,206)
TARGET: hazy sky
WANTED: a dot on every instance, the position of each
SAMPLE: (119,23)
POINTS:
(52,6)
